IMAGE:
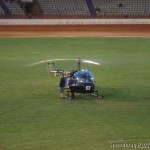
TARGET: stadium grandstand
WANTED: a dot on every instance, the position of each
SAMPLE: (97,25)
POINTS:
(75,8)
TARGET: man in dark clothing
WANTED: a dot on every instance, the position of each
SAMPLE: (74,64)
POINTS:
(62,85)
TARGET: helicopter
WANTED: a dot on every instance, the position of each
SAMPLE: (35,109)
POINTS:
(84,79)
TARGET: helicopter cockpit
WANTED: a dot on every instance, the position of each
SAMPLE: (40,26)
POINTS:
(84,81)
(84,76)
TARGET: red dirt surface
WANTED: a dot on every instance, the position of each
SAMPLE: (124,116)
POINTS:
(75,31)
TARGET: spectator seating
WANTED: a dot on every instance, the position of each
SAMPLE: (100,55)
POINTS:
(15,8)
(1,11)
(122,7)
(64,7)
(78,8)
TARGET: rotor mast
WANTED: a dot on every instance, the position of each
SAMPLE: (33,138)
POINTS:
(79,64)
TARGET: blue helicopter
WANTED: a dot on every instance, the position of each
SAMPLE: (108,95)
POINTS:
(84,80)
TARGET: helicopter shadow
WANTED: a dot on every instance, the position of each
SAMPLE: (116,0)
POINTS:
(84,97)
(116,93)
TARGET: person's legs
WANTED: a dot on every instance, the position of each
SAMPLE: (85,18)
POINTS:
(61,92)
(72,92)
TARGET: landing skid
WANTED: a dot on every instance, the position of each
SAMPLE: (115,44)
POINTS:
(95,93)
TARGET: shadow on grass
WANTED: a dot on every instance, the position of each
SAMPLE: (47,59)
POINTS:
(124,94)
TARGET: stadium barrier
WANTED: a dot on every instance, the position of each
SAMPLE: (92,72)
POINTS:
(72,21)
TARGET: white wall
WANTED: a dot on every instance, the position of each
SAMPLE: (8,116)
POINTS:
(71,21)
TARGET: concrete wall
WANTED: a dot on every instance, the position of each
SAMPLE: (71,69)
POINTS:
(71,21)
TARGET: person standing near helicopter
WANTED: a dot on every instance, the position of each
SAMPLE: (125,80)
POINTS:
(72,84)
(62,85)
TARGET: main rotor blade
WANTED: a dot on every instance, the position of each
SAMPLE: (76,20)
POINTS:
(63,59)
(90,62)
(51,60)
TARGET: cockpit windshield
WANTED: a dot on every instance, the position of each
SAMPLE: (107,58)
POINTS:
(83,75)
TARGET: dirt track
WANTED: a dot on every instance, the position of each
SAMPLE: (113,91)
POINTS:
(76,31)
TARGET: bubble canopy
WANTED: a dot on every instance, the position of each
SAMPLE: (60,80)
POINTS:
(84,75)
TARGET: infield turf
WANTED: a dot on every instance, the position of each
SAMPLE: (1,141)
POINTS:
(33,117)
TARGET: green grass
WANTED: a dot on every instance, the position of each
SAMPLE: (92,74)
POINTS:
(33,117)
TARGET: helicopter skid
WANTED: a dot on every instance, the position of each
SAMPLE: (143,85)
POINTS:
(92,94)
(95,93)
(101,97)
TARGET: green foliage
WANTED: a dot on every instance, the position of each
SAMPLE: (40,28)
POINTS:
(33,117)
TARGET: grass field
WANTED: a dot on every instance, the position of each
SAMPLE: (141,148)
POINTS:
(32,117)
